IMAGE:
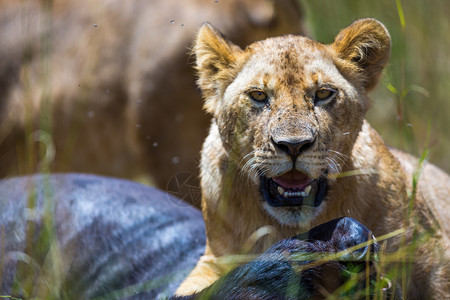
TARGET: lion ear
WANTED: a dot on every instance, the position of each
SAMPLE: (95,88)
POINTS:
(215,58)
(365,43)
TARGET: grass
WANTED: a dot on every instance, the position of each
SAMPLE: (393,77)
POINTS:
(410,112)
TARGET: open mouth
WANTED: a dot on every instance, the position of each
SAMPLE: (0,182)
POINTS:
(293,189)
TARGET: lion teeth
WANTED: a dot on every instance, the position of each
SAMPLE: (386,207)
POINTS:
(308,189)
(293,194)
(287,194)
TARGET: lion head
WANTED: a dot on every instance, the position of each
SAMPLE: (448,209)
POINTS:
(288,110)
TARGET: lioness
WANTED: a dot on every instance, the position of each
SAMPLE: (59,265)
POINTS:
(289,147)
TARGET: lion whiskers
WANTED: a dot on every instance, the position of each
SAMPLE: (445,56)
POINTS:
(261,163)
(257,163)
(336,160)
(340,156)
(333,165)
(251,169)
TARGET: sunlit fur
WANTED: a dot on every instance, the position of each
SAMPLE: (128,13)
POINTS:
(367,181)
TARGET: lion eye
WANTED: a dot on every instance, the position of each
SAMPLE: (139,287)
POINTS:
(324,94)
(258,96)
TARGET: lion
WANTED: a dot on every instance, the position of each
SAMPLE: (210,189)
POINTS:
(289,149)
(107,87)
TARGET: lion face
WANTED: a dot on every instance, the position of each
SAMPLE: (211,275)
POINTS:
(289,109)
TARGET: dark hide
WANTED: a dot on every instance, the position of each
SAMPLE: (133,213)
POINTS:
(112,234)
(278,273)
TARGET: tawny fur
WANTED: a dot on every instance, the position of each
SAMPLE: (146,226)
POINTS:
(368,181)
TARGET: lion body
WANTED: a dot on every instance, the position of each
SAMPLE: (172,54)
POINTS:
(247,141)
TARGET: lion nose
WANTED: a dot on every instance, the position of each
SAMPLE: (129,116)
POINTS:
(293,146)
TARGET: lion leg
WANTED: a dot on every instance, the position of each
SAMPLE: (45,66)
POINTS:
(203,275)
